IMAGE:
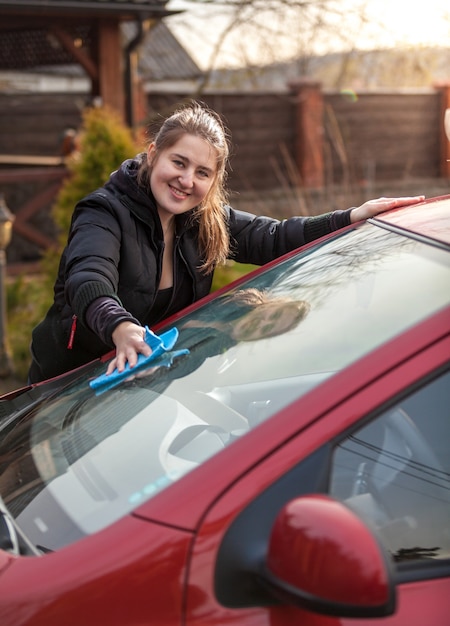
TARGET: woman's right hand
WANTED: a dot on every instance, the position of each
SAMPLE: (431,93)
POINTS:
(128,338)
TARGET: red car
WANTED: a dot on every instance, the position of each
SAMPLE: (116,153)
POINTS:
(285,459)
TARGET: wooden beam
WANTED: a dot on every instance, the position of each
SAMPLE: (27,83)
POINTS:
(30,233)
(110,66)
(40,174)
(31,159)
(35,204)
(309,132)
(78,54)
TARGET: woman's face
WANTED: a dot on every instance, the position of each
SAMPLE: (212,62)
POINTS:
(181,175)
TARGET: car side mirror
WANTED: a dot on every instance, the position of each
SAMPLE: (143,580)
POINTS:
(323,557)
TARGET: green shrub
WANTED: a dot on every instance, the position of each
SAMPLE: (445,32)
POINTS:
(27,302)
(104,143)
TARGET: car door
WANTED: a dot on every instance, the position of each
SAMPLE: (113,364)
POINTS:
(394,471)
(402,419)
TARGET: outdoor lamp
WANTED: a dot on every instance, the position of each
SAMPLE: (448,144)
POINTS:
(6,222)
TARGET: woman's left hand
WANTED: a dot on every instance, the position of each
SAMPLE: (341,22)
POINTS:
(373,207)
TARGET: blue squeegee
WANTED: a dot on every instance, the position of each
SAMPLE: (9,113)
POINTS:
(160,345)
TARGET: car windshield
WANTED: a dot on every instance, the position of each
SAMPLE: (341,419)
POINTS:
(83,458)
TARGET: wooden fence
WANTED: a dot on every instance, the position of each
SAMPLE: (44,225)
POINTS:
(385,137)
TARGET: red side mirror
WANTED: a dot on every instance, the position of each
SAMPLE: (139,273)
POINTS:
(324,558)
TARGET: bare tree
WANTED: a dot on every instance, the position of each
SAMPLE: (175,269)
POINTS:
(261,32)
(258,33)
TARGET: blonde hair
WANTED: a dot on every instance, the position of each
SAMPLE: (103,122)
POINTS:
(195,118)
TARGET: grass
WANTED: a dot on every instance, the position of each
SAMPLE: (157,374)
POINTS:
(228,273)
(27,302)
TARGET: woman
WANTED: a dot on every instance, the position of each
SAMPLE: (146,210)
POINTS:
(145,245)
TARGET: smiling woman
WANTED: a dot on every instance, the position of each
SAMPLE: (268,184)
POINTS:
(145,245)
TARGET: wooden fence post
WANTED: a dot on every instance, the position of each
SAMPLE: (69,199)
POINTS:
(309,132)
(109,84)
(444,88)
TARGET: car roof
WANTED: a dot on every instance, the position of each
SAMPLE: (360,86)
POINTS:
(428,219)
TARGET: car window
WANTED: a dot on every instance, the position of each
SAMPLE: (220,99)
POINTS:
(83,458)
(395,472)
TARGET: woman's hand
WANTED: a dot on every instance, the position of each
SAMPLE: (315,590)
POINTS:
(128,338)
(373,207)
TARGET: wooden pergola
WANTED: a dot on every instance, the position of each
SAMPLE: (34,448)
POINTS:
(43,33)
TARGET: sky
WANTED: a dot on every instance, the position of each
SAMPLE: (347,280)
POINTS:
(391,23)
(413,23)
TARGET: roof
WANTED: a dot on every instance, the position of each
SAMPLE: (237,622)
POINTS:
(162,57)
(122,8)
(26,39)
(34,48)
